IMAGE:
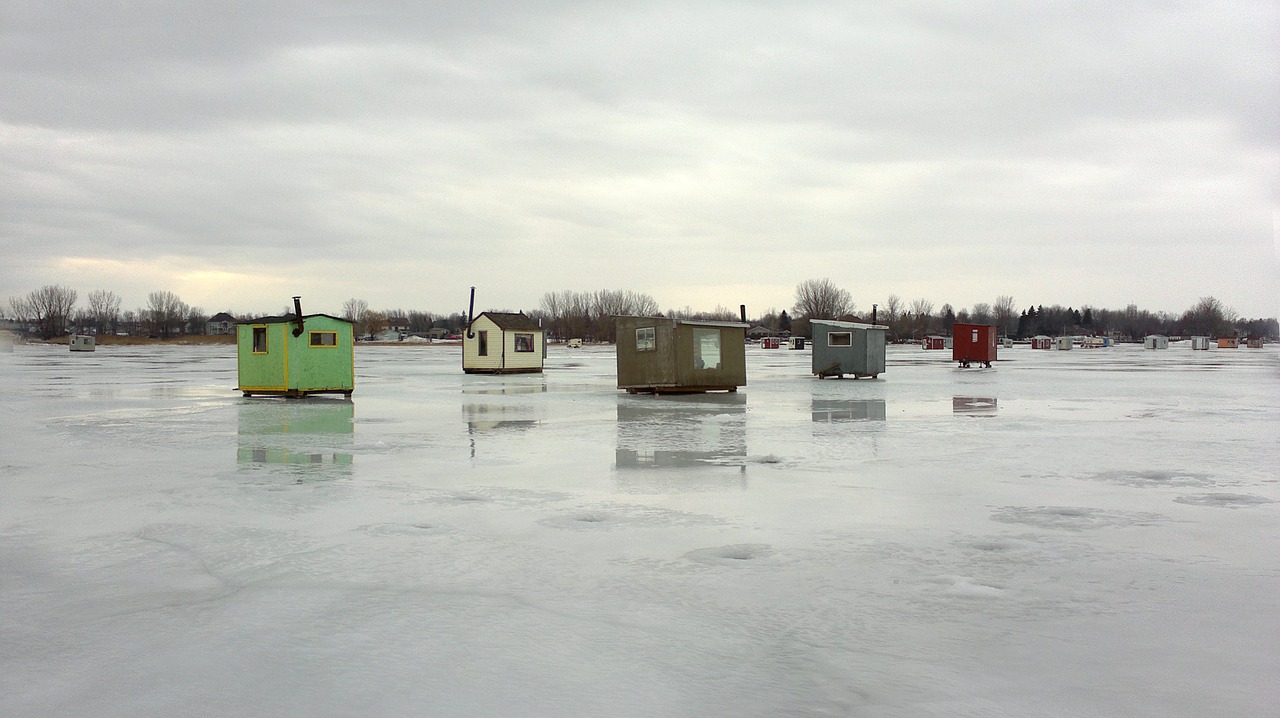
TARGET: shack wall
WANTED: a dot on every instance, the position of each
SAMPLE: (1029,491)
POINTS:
(685,356)
(863,356)
(973,342)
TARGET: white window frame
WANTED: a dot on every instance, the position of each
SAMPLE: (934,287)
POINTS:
(646,339)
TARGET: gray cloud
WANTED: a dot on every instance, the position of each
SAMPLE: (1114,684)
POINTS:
(703,143)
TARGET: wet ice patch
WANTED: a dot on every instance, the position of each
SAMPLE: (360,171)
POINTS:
(967,587)
(420,528)
(1154,477)
(1225,501)
(609,516)
(731,555)
(584,520)
(1073,518)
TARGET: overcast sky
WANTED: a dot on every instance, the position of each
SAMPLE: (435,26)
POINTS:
(705,153)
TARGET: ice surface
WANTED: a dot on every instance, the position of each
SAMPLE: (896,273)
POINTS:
(1066,534)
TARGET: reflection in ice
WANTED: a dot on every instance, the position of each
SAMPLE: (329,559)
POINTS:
(694,431)
(313,434)
(823,410)
(973,405)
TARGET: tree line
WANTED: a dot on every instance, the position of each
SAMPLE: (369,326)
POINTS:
(821,299)
(54,311)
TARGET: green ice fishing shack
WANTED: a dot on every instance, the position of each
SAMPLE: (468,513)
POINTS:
(295,354)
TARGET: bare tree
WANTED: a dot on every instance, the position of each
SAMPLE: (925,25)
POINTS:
(981,314)
(1208,317)
(920,317)
(166,313)
(104,308)
(821,299)
(357,312)
(48,307)
(1006,314)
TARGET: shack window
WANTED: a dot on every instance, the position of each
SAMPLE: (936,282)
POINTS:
(324,339)
(706,348)
(259,340)
(840,339)
(524,342)
(646,339)
(483,348)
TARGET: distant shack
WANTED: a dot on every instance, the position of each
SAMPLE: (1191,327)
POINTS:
(661,355)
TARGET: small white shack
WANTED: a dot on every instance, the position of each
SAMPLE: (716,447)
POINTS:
(503,343)
(1200,343)
(1063,343)
(1155,341)
(82,343)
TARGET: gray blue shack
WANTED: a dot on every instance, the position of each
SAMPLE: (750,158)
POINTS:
(847,348)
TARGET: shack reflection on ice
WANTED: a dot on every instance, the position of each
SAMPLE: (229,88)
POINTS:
(492,413)
(313,435)
(973,405)
(701,431)
(827,410)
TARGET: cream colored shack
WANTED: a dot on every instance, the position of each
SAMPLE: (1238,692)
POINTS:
(501,343)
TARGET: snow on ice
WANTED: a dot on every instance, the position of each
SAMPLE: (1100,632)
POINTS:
(1067,534)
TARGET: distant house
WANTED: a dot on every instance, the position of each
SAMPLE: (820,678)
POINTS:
(436,333)
(759,332)
(503,343)
(397,324)
(220,323)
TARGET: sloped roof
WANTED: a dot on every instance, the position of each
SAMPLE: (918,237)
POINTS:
(289,318)
(222,317)
(512,322)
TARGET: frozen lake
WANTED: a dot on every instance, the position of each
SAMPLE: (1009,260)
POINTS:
(1084,533)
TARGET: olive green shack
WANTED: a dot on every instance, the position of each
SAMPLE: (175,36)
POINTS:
(668,356)
(295,355)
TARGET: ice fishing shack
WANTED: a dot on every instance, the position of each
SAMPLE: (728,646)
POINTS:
(82,343)
(295,355)
(1155,341)
(841,348)
(1200,343)
(503,343)
(973,343)
(661,355)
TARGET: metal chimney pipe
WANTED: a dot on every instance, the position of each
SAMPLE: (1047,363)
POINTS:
(297,313)
(873,313)
(471,308)
(742,310)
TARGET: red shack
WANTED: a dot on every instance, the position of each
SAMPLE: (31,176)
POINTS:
(973,343)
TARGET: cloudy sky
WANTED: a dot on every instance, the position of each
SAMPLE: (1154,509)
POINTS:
(706,153)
